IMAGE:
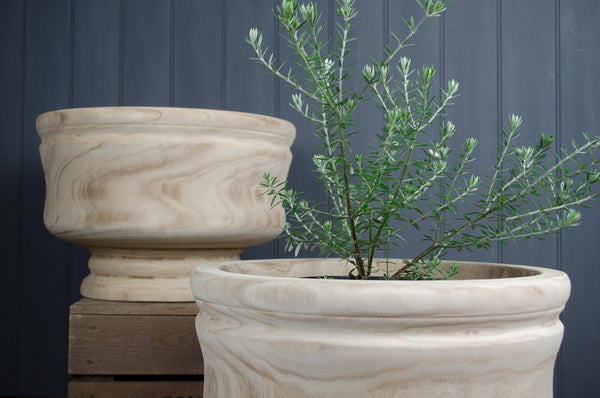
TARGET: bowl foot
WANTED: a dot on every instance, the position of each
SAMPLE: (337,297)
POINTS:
(151,275)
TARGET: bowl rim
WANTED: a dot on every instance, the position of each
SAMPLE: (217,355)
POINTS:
(545,290)
(78,118)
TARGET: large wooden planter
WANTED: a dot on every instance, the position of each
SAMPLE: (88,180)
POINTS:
(154,192)
(265,332)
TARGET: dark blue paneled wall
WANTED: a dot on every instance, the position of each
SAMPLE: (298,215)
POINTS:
(537,58)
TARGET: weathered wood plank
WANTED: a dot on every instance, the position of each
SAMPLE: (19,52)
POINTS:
(129,344)
(101,307)
(135,389)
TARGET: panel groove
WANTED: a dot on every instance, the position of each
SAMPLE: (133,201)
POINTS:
(71,50)
(330,33)
(224,54)
(386,26)
(558,120)
(276,84)
(331,23)
(442,53)
(68,262)
(499,83)
(121,50)
(442,79)
(172,53)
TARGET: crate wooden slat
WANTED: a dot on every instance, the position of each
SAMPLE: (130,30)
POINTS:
(111,341)
(135,389)
(102,307)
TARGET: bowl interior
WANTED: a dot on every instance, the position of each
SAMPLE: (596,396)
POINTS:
(334,267)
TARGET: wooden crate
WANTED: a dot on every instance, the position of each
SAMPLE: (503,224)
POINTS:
(133,350)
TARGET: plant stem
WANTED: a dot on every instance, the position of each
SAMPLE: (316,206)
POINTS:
(388,214)
(360,266)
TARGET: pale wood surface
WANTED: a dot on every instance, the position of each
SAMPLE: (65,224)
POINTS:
(135,389)
(161,177)
(114,338)
(153,181)
(102,307)
(149,275)
(265,331)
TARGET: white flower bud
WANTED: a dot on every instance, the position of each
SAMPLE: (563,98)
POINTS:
(368,73)
(308,12)
(452,87)
(255,37)
(327,65)
(297,100)
(404,65)
(383,72)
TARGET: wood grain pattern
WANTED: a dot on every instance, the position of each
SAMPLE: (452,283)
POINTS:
(161,177)
(102,307)
(265,332)
(172,179)
(135,389)
(113,338)
(147,274)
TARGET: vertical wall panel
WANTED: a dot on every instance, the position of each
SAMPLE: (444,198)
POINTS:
(43,340)
(10,148)
(528,89)
(247,87)
(425,50)
(96,46)
(146,52)
(580,104)
(369,46)
(198,47)
(471,59)
(301,176)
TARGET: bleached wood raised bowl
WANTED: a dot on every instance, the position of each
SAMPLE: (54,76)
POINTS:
(155,192)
